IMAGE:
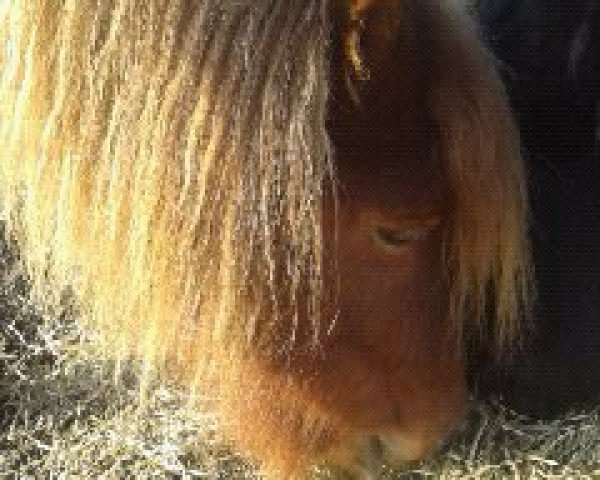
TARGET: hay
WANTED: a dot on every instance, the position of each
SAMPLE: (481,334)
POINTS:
(67,415)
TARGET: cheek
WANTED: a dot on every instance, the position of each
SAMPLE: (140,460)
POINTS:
(393,301)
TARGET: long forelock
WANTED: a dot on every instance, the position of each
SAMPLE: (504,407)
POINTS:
(160,155)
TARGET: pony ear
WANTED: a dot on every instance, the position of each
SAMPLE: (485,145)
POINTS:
(488,252)
(371,33)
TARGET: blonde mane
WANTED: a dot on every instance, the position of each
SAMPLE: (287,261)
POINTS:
(168,158)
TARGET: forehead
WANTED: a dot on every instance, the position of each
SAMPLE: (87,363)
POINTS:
(386,156)
(386,144)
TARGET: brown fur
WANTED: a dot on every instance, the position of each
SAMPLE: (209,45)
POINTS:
(219,181)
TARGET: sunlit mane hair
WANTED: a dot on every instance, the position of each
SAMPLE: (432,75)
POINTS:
(168,159)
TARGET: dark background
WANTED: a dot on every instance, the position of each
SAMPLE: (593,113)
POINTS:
(549,56)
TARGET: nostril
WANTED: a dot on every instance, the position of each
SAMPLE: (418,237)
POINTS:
(396,412)
(372,457)
(375,445)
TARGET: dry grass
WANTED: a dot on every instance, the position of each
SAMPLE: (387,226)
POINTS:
(67,415)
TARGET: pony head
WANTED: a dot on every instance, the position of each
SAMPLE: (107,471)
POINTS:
(296,205)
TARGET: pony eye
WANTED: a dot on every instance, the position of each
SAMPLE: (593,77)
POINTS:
(399,237)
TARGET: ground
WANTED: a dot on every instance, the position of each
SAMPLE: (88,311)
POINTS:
(64,416)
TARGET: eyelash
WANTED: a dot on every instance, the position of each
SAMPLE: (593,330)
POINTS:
(391,237)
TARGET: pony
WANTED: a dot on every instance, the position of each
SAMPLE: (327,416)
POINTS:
(300,207)
(548,54)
